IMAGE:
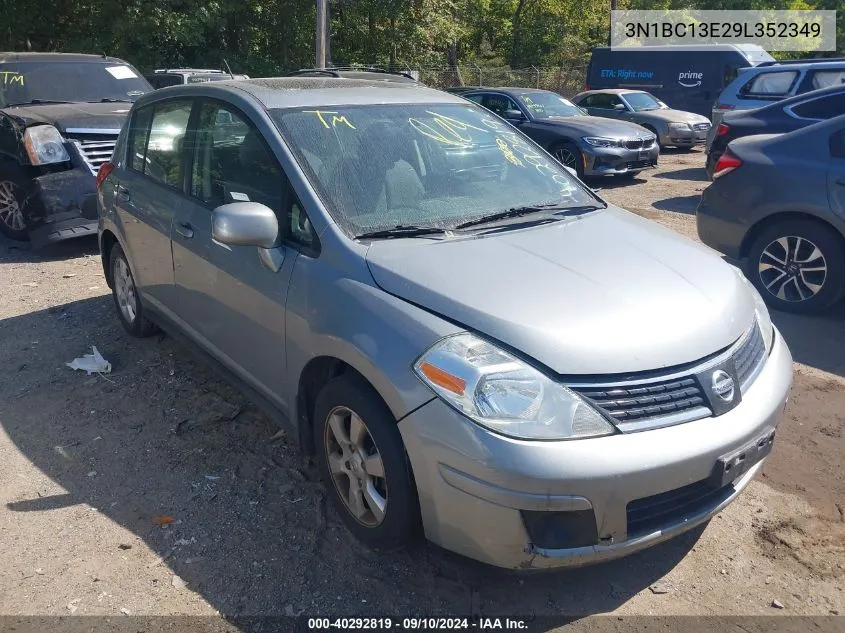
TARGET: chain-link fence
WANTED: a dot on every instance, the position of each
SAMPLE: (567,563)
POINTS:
(566,80)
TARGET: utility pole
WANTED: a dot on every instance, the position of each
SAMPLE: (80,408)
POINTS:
(321,33)
(613,7)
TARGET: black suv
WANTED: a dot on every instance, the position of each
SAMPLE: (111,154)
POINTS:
(60,115)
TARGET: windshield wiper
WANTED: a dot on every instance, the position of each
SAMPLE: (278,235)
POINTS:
(400,230)
(516,212)
(34,102)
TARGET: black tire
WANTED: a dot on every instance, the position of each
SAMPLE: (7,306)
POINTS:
(561,151)
(400,523)
(12,184)
(766,251)
(138,325)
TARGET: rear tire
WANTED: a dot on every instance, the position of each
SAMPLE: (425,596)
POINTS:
(798,266)
(12,222)
(569,155)
(130,311)
(363,465)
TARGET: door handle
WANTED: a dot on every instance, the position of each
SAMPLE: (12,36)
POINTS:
(122,194)
(185,230)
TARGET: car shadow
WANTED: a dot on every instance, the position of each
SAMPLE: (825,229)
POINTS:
(171,453)
(678,204)
(694,174)
(21,252)
(814,340)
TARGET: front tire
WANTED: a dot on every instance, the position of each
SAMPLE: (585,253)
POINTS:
(798,266)
(568,155)
(362,461)
(130,311)
(12,222)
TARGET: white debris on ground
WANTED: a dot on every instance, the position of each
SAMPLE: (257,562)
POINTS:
(91,363)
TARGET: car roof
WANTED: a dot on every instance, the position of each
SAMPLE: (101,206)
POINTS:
(56,57)
(612,91)
(297,92)
(778,66)
(511,89)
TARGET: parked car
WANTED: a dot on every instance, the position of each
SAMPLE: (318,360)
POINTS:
(472,343)
(60,114)
(349,72)
(459,90)
(593,146)
(773,81)
(688,78)
(778,203)
(673,128)
(165,77)
(779,117)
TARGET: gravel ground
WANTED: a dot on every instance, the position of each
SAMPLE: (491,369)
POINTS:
(158,490)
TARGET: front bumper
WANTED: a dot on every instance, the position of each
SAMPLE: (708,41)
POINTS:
(684,138)
(479,491)
(608,161)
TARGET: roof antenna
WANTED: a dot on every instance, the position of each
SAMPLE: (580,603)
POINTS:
(228,68)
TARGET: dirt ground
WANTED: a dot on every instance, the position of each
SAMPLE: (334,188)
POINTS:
(89,465)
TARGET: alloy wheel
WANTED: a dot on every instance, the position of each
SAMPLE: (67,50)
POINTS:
(124,288)
(10,208)
(356,466)
(792,268)
(566,157)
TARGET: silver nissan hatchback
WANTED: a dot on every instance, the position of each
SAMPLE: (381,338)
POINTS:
(469,341)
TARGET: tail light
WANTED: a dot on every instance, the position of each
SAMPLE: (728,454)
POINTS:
(103,173)
(724,106)
(727,163)
(722,129)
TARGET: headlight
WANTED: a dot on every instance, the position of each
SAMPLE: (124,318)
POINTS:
(680,126)
(763,317)
(600,141)
(504,394)
(44,145)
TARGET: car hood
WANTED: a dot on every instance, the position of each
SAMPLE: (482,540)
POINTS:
(92,116)
(605,293)
(671,116)
(592,126)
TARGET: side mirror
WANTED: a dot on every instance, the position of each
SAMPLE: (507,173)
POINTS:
(513,115)
(245,224)
(620,107)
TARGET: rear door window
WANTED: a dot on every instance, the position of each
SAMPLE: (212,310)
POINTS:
(776,84)
(821,108)
(139,133)
(826,78)
(163,161)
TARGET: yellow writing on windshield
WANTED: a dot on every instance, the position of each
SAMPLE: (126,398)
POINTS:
(336,118)
(444,129)
(491,123)
(507,152)
(11,77)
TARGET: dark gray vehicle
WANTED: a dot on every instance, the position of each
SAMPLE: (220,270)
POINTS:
(472,343)
(778,202)
(673,128)
(593,146)
(60,114)
(164,77)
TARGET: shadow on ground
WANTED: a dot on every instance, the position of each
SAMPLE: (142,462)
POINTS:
(252,533)
(13,251)
(678,204)
(694,174)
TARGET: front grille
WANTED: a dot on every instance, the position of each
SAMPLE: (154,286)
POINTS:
(701,126)
(749,356)
(648,142)
(659,511)
(647,401)
(636,143)
(95,149)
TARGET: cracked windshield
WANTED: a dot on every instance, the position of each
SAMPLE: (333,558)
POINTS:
(379,167)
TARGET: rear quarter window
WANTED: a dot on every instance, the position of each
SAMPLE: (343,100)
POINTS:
(821,108)
(775,84)
(827,78)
